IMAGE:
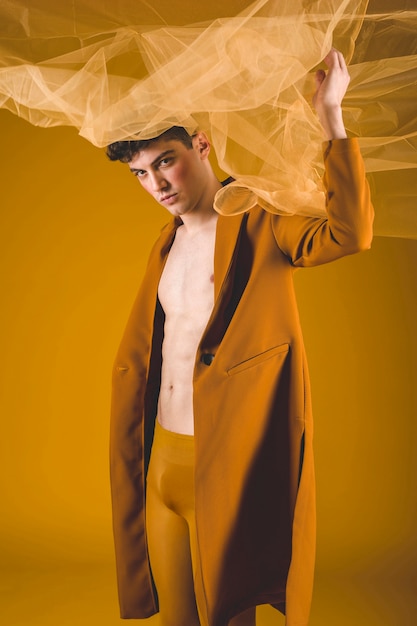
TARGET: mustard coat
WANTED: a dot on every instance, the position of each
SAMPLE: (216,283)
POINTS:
(254,473)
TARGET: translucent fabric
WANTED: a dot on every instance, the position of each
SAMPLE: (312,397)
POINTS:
(242,71)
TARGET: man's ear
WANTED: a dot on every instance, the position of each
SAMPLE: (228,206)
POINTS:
(202,144)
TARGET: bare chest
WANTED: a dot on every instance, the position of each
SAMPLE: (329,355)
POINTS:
(186,287)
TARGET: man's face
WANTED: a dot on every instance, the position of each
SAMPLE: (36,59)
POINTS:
(173,174)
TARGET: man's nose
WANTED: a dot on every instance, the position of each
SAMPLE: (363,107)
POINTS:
(157,181)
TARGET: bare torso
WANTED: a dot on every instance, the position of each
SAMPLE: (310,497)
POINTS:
(186,293)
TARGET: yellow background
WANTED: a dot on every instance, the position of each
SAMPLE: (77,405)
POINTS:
(75,233)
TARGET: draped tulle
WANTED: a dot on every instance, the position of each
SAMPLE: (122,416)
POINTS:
(123,70)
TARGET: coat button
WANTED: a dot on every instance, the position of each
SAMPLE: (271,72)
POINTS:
(207,359)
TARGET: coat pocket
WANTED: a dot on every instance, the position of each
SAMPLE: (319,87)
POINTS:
(258,358)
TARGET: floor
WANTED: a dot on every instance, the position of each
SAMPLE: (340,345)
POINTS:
(84,594)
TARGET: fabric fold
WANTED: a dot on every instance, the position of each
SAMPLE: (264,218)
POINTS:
(131,70)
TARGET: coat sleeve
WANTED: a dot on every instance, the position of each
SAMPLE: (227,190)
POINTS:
(347,229)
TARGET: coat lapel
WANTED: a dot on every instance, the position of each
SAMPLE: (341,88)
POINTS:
(227,236)
(164,244)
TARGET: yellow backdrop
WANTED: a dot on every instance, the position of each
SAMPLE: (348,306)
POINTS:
(75,233)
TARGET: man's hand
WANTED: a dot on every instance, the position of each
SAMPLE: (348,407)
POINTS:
(330,90)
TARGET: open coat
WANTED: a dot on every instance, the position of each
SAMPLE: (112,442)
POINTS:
(254,473)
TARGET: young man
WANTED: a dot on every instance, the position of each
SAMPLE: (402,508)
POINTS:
(211,406)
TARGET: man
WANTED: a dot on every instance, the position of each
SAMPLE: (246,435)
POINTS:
(211,394)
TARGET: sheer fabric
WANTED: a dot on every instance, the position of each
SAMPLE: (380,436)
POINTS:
(242,71)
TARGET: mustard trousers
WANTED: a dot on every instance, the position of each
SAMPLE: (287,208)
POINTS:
(171,533)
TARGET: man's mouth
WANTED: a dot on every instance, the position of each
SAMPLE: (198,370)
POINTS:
(168,198)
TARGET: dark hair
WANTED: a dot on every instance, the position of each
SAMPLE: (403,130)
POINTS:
(124,151)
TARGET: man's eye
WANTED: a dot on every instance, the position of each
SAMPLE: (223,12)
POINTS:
(165,161)
(140,173)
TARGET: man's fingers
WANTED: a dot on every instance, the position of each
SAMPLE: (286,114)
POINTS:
(320,76)
(341,59)
(335,58)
